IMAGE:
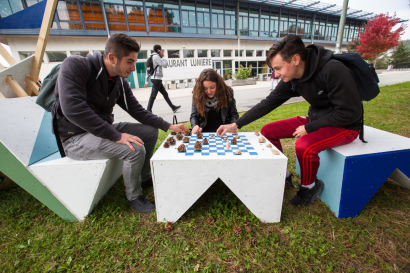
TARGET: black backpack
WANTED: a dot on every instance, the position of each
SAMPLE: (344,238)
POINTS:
(150,66)
(365,77)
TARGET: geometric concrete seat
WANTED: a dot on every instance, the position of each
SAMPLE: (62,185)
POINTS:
(353,173)
(29,156)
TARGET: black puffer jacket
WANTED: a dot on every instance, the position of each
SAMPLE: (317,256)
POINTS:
(336,104)
(229,114)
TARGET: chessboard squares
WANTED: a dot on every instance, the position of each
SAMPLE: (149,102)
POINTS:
(253,153)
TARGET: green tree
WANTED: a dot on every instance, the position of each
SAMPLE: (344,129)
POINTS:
(400,56)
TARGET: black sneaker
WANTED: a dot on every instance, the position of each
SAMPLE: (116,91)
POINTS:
(147,184)
(176,108)
(304,197)
(289,182)
(141,204)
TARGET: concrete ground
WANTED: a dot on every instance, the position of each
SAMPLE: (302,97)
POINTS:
(246,97)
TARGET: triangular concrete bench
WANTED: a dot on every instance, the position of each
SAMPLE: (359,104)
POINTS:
(353,173)
(29,156)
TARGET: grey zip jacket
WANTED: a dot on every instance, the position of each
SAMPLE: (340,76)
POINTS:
(86,106)
(159,63)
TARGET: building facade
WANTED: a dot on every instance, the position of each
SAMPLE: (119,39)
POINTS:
(195,34)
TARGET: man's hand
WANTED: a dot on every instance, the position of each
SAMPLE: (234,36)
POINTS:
(300,131)
(196,129)
(161,53)
(128,139)
(146,85)
(179,128)
(223,129)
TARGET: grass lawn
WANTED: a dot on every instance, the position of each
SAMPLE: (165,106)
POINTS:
(116,239)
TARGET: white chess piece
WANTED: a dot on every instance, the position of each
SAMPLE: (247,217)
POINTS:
(228,146)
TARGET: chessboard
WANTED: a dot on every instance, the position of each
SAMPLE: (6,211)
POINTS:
(217,145)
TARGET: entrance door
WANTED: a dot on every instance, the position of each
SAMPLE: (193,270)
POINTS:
(217,65)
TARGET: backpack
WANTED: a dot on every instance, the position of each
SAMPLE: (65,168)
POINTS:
(150,66)
(46,97)
(50,103)
(365,77)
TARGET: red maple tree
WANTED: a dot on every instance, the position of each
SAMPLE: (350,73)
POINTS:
(378,36)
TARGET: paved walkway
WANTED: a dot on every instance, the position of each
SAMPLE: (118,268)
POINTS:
(246,97)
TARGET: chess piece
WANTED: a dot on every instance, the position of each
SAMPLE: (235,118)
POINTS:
(171,141)
(179,136)
(228,146)
(225,139)
(233,141)
(205,141)
(253,241)
(198,146)
(212,136)
(275,152)
(173,133)
(185,139)
(268,145)
(262,140)
(187,133)
(236,136)
(238,152)
(166,144)
(181,148)
(199,135)
(256,133)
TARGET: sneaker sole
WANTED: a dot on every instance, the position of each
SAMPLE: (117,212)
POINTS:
(316,194)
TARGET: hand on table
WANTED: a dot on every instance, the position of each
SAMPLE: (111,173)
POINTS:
(300,131)
(127,139)
(181,128)
(196,129)
(223,129)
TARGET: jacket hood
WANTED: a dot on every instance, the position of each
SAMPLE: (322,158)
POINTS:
(316,57)
(96,60)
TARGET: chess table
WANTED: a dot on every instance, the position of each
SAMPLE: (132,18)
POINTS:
(256,176)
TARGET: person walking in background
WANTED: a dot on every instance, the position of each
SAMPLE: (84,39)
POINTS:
(273,78)
(154,71)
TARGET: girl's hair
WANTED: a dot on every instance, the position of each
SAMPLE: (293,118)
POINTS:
(222,93)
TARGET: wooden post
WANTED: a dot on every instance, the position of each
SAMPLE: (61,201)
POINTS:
(32,86)
(42,40)
(16,87)
(6,55)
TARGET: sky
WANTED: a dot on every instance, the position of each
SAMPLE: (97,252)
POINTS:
(401,7)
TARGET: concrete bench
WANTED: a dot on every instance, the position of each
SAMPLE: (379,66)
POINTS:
(29,156)
(180,83)
(353,173)
(263,77)
(172,85)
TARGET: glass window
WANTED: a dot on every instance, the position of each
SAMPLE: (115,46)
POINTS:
(249,53)
(31,2)
(215,53)
(172,17)
(188,53)
(284,27)
(227,53)
(274,23)
(80,53)
(92,12)
(259,53)
(56,56)
(135,15)
(236,53)
(68,11)
(202,53)
(24,55)
(227,69)
(16,5)
(173,53)
(115,13)
(142,54)
(292,23)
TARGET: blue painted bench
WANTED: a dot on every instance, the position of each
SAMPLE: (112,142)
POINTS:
(353,173)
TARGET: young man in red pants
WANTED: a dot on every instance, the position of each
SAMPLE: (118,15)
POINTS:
(335,111)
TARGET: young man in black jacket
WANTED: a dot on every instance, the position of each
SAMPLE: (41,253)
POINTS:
(87,91)
(335,110)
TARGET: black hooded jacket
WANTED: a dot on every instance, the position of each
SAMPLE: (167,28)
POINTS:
(326,84)
(86,104)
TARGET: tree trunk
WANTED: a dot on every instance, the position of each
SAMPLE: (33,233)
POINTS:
(375,60)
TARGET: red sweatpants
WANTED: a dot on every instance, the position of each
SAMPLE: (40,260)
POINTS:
(308,146)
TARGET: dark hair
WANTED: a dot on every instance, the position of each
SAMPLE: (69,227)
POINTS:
(156,48)
(223,91)
(287,47)
(120,45)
